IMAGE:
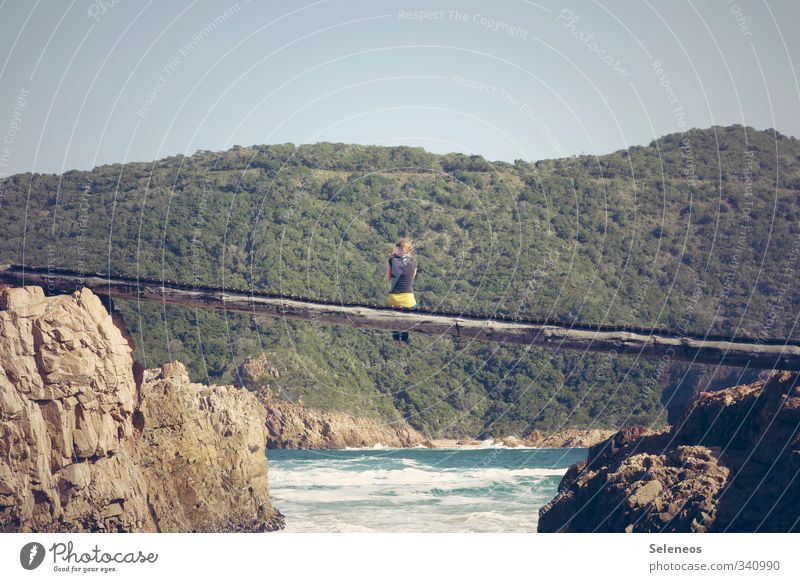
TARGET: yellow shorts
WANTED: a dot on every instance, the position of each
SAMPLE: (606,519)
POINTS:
(402,300)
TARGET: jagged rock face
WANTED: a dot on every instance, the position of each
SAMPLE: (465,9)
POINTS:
(204,455)
(729,464)
(67,397)
(255,372)
(82,450)
(294,427)
(569,438)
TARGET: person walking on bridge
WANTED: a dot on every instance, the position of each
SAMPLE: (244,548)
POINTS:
(400,273)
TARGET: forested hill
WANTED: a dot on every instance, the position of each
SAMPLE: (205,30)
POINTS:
(697,231)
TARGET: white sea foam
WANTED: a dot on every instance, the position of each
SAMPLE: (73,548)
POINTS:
(376,446)
(335,477)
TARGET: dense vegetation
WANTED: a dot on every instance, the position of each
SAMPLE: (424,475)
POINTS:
(696,231)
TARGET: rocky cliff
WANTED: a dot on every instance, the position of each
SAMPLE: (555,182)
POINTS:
(729,464)
(86,446)
(291,426)
(567,438)
(203,455)
(294,426)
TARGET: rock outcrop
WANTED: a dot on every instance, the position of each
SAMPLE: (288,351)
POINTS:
(256,372)
(730,464)
(291,426)
(203,455)
(83,449)
(67,399)
(567,438)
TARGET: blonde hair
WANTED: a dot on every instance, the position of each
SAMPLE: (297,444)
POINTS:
(406,245)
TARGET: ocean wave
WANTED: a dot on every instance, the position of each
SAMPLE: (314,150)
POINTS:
(431,492)
(302,476)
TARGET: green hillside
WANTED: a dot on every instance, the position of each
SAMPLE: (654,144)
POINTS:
(696,232)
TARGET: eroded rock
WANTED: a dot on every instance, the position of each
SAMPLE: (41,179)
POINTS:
(203,455)
(291,426)
(729,464)
(83,449)
(67,456)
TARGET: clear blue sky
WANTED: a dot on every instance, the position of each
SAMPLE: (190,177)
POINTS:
(84,83)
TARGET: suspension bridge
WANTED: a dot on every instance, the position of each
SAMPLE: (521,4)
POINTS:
(770,353)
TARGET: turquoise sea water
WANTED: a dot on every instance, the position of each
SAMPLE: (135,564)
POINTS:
(416,490)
